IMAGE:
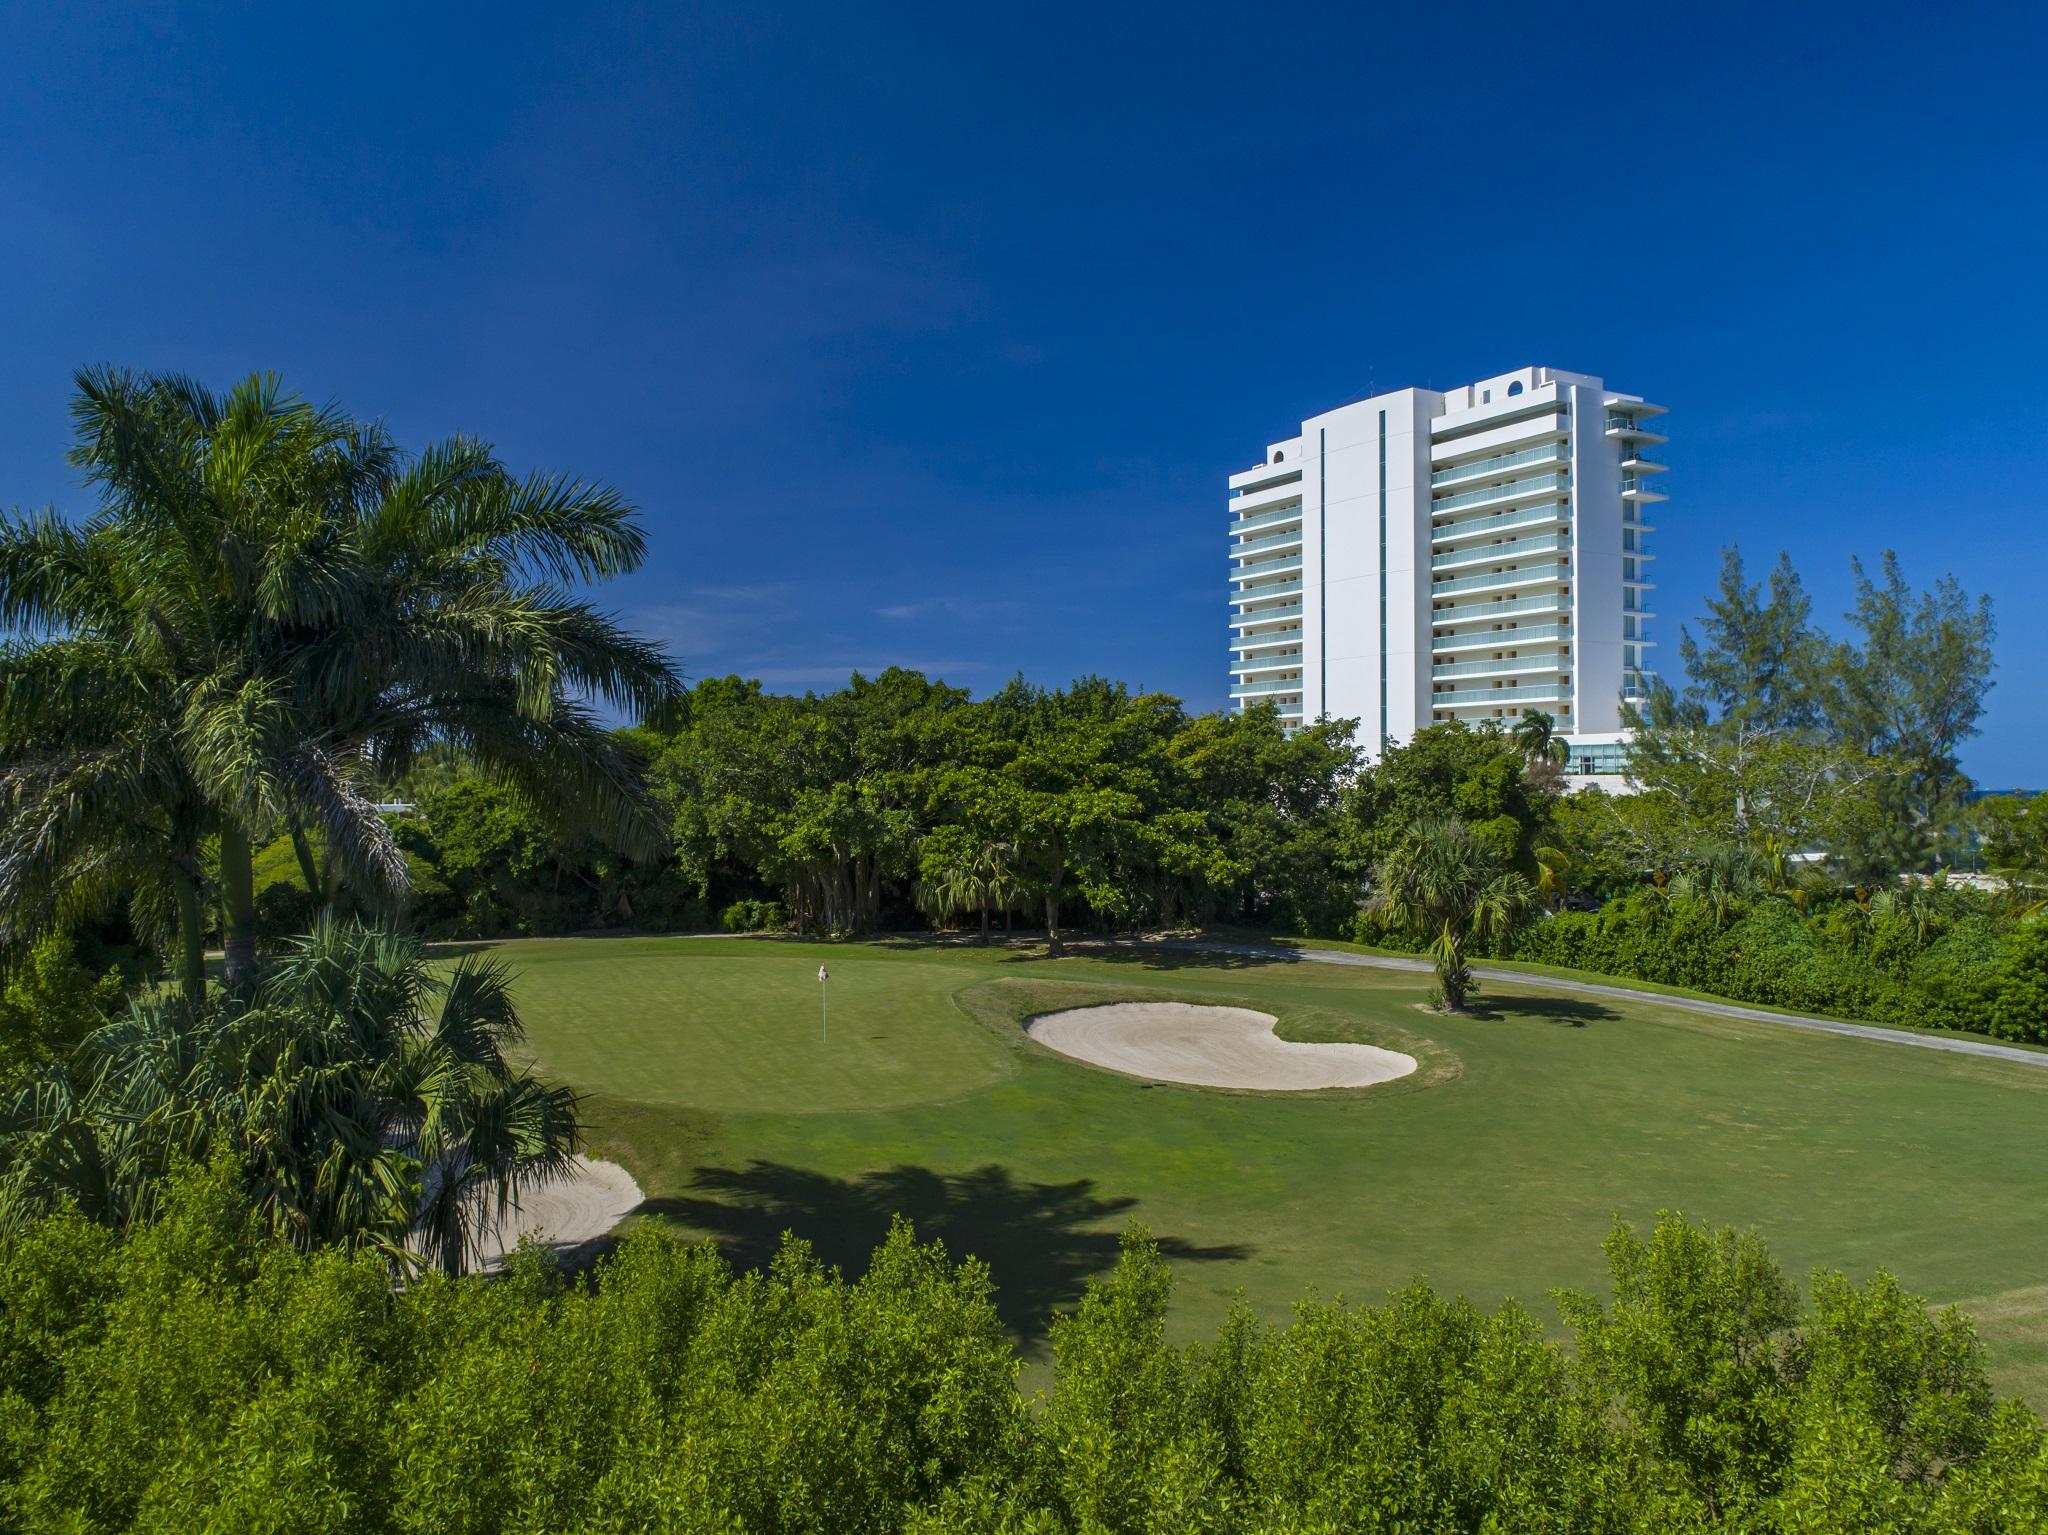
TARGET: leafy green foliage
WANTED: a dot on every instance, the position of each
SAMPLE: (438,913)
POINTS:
(48,1005)
(370,1103)
(193,1373)
(272,610)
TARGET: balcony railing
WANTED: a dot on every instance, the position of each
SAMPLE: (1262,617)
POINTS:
(1537,485)
(1283,685)
(1527,634)
(1549,453)
(1273,565)
(1544,695)
(1246,643)
(1265,593)
(1499,522)
(1269,615)
(1506,666)
(1266,519)
(1479,612)
(1506,551)
(1274,541)
(1486,580)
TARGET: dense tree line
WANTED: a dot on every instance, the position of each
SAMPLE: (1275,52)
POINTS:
(195,1374)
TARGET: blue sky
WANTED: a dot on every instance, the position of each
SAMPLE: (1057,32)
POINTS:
(927,335)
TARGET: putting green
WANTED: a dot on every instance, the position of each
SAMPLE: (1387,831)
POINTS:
(1494,1170)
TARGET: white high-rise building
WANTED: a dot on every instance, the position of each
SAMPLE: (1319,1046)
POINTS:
(1475,554)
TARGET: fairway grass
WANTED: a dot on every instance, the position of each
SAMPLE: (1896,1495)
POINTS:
(1494,1170)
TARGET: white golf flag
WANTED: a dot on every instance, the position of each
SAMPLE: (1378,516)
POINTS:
(822,975)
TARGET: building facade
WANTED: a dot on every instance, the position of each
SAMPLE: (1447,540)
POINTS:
(1472,554)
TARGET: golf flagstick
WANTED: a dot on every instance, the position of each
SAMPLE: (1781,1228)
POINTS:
(824,991)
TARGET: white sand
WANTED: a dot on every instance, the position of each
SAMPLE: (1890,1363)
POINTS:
(573,1210)
(1209,1047)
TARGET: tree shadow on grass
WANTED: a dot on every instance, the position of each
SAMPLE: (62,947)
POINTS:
(1168,955)
(1041,1241)
(1573,1012)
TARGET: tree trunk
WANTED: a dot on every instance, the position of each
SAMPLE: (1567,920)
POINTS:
(984,924)
(1053,949)
(238,905)
(309,867)
(191,936)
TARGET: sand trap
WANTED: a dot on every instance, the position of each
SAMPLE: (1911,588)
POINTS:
(1209,1047)
(570,1212)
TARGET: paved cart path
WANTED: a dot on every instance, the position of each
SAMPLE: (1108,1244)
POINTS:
(1884,1036)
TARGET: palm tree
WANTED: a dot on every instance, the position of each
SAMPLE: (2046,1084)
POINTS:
(1535,737)
(1724,879)
(309,612)
(370,1104)
(1445,885)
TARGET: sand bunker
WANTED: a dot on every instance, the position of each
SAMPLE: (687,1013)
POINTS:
(570,1212)
(1209,1047)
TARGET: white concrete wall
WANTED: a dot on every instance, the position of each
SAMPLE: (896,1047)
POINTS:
(1596,568)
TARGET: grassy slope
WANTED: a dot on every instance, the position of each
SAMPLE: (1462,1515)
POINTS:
(1497,1175)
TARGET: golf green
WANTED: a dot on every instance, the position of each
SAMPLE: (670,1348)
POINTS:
(1495,1170)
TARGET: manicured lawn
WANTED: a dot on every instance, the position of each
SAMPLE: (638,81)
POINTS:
(1494,1172)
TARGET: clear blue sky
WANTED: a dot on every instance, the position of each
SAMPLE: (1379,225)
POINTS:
(927,336)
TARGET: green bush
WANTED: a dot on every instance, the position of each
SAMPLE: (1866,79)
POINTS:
(2019,994)
(191,1376)
(751,916)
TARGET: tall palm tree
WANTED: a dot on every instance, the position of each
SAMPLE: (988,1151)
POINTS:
(369,1102)
(312,610)
(1535,737)
(1445,885)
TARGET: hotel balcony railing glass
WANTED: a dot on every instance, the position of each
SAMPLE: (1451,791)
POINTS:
(1480,612)
(1273,565)
(1505,666)
(1244,644)
(1527,634)
(1539,575)
(1543,695)
(1267,616)
(1507,551)
(1549,453)
(1266,519)
(1264,593)
(1538,485)
(1499,522)
(1283,685)
(1276,541)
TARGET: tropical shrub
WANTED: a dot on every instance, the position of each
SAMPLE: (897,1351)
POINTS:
(194,1373)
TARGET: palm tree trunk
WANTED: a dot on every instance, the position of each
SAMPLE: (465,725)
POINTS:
(191,935)
(984,922)
(309,867)
(238,904)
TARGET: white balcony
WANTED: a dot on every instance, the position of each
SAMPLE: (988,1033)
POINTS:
(1267,498)
(1541,487)
(1257,689)
(1496,463)
(1500,639)
(1551,515)
(1288,540)
(1500,698)
(1504,666)
(1288,660)
(1638,490)
(1244,526)
(1533,576)
(1240,595)
(1246,621)
(1483,612)
(1513,548)
(1630,430)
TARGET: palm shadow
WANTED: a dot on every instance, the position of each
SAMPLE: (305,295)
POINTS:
(1573,1012)
(1041,1241)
